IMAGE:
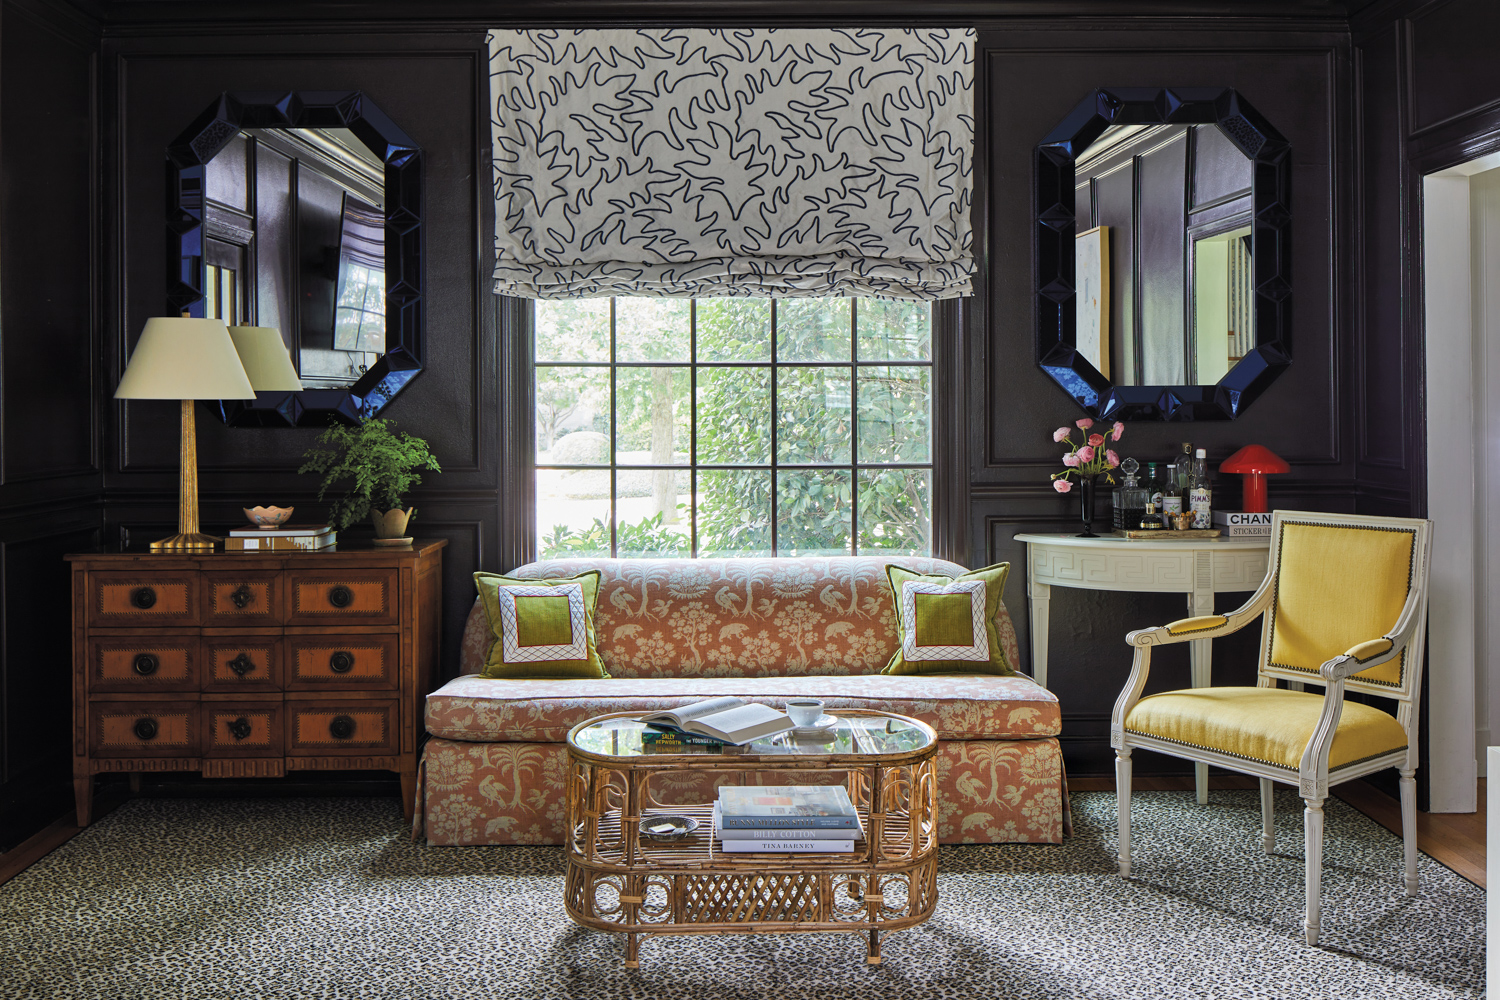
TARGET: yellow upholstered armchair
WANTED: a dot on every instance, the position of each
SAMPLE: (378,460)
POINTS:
(1343,606)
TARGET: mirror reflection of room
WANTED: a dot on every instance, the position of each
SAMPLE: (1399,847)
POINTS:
(1163,266)
(295,239)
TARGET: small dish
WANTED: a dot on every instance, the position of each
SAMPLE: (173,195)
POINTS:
(819,728)
(268,518)
(392,542)
(663,828)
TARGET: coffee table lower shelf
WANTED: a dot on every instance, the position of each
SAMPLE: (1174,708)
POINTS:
(692,887)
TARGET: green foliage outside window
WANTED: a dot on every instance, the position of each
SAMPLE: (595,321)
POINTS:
(825,416)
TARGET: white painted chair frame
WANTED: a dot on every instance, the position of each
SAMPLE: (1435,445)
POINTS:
(1312,777)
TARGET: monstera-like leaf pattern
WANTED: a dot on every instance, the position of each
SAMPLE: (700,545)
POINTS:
(738,161)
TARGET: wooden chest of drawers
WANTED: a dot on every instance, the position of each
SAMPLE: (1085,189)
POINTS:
(253,664)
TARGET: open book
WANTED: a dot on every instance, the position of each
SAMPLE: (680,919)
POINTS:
(727,719)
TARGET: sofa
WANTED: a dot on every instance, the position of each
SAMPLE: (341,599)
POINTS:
(675,631)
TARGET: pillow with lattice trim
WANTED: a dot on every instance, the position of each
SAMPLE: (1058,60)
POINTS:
(541,628)
(947,624)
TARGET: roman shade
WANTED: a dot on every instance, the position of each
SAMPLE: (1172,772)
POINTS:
(753,162)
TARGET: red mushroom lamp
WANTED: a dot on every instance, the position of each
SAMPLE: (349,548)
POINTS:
(1255,462)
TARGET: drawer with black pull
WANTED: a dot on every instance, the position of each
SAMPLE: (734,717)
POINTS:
(321,728)
(242,729)
(242,598)
(143,729)
(152,597)
(233,663)
(323,597)
(161,661)
(342,662)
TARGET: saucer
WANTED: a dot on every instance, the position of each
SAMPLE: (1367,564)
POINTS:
(819,728)
(666,828)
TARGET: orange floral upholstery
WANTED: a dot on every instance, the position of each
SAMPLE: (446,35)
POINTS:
(675,631)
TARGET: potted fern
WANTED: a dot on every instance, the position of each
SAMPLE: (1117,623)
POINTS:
(379,465)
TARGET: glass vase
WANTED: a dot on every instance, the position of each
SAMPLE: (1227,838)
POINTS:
(1086,494)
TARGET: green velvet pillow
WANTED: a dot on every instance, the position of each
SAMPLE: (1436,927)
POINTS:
(541,628)
(947,624)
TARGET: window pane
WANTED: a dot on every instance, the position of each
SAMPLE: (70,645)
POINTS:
(894,331)
(894,506)
(734,512)
(652,416)
(895,414)
(652,514)
(653,329)
(813,508)
(734,329)
(572,330)
(572,416)
(572,513)
(812,415)
(812,329)
(734,416)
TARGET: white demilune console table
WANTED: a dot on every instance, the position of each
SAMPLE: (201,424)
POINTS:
(1198,567)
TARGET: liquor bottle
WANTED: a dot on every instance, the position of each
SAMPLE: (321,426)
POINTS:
(1185,474)
(1154,485)
(1130,499)
(1171,499)
(1201,492)
(1152,520)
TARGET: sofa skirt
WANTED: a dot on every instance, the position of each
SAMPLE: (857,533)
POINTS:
(989,792)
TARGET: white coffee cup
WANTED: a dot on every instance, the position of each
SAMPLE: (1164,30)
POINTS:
(804,711)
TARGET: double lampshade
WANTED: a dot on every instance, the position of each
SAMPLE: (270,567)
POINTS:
(185,358)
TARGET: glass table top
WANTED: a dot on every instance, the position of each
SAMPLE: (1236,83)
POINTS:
(855,734)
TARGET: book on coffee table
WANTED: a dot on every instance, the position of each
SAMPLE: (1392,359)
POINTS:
(769,835)
(729,719)
(787,807)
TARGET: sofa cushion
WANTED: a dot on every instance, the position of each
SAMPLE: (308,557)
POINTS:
(530,638)
(739,617)
(959,707)
(933,639)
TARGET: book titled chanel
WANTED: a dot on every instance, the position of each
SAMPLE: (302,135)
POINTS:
(787,807)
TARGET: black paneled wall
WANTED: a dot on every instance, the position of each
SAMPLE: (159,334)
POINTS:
(81,269)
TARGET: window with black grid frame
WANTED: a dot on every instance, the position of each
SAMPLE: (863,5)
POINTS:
(733,427)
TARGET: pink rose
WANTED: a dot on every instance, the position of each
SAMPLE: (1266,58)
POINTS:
(1116,431)
(1062,486)
(1086,453)
(1084,424)
(1071,461)
(1061,434)
(1112,459)
(1096,439)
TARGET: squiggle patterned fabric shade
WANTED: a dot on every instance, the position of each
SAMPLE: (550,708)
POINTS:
(765,162)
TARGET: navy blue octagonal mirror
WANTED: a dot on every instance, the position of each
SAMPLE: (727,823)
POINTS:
(302,211)
(1162,254)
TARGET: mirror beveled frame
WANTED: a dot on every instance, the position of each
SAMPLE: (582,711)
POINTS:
(187,160)
(1056,227)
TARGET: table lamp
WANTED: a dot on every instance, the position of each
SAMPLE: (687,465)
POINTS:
(264,356)
(1254,462)
(185,359)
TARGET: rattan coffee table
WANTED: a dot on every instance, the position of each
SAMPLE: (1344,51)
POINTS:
(621,881)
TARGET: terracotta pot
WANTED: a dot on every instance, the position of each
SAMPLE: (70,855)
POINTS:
(391,523)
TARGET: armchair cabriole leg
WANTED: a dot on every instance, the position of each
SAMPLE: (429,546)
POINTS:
(1268,815)
(1122,799)
(1312,822)
(1409,828)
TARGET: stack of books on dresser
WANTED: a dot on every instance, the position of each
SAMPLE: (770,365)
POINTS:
(803,819)
(291,537)
(1243,524)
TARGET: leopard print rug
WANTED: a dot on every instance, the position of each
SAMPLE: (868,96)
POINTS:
(317,898)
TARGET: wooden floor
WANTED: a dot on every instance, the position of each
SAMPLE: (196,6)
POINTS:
(1455,840)
(1452,839)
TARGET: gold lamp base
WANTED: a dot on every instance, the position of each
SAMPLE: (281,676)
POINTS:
(194,542)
